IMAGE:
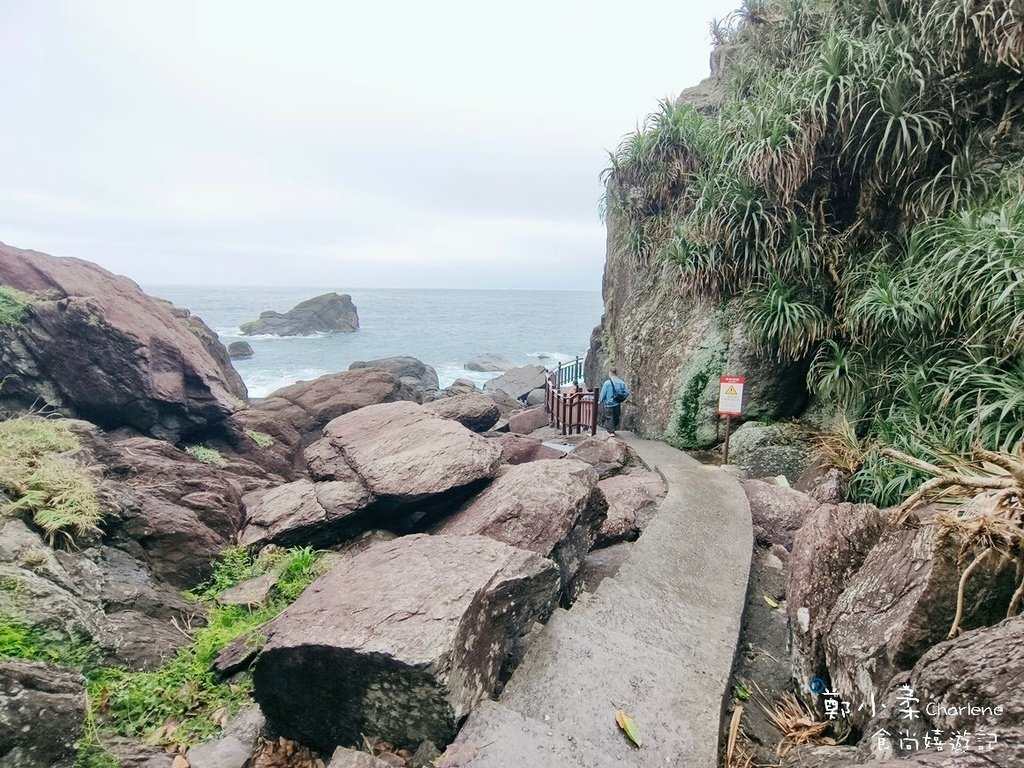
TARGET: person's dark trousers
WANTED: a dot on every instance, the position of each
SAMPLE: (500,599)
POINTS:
(612,416)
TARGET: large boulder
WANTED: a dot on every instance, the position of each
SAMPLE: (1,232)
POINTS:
(969,685)
(899,604)
(305,513)
(490,362)
(630,508)
(530,420)
(520,449)
(550,507)
(415,374)
(42,715)
(776,511)
(828,549)
(266,440)
(518,382)
(93,345)
(474,411)
(240,350)
(309,405)
(403,453)
(770,450)
(607,454)
(400,641)
(329,313)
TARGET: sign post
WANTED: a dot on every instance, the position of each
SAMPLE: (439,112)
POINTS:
(730,403)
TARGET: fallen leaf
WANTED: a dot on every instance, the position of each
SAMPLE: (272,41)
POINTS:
(771,603)
(628,726)
(180,762)
(457,754)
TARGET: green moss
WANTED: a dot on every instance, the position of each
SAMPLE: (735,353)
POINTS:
(59,495)
(19,640)
(206,455)
(14,305)
(685,426)
(185,690)
(262,439)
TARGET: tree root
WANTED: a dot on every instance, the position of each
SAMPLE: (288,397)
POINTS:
(955,629)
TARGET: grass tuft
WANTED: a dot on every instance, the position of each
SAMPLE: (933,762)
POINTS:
(14,305)
(206,455)
(262,439)
(58,494)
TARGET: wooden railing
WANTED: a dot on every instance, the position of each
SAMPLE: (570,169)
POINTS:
(571,410)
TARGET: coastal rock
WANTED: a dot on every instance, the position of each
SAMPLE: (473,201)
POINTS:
(776,511)
(367,649)
(240,350)
(353,758)
(329,313)
(898,605)
(460,387)
(549,507)
(130,753)
(518,382)
(519,449)
(825,485)
(490,362)
(828,549)
(607,454)
(212,344)
(530,420)
(770,450)
(414,374)
(475,411)
(42,710)
(537,397)
(304,513)
(404,453)
(630,507)
(93,345)
(266,440)
(309,405)
(671,348)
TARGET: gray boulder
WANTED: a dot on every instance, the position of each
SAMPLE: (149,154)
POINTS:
(537,396)
(607,454)
(550,507)
(404,453)
(519,449)
(401,641)
(530,420)
(475,411)
(489,362)
(309,405)
(240,350)
(770,450)
(776,511)
(828,550)
(329,313)
(899,604)
(42,715)
(518,382)
(414,374)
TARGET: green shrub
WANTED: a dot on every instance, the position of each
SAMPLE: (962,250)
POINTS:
(206,455)
(262,439)
(185,691)
(58,494)
(14,305)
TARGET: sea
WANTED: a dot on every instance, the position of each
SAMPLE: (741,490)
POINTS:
(443,328)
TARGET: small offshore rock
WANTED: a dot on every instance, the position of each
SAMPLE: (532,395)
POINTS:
(240,350)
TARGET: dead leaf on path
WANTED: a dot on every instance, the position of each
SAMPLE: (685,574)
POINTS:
(628,726)
(771,603)
(180,762)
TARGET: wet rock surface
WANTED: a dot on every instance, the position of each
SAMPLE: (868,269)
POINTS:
(366,649)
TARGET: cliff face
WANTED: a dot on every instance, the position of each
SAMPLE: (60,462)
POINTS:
(672,349)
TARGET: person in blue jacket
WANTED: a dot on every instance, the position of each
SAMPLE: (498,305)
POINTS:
(613,392)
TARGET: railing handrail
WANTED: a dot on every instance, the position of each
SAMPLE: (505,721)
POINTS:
(570,411)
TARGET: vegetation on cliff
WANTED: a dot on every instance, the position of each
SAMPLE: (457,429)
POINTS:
(861,182)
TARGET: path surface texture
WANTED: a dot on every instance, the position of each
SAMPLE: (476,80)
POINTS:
(657,641)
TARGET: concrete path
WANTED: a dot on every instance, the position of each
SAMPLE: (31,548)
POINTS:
(657,640)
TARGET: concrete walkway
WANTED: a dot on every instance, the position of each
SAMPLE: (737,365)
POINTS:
(657,640)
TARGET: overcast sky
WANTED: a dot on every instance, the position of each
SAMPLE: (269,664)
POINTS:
(374,144)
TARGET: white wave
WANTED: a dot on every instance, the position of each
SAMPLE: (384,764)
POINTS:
(447,373)
(262,383)
(275,337)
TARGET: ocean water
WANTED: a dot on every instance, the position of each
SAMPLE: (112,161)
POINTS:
(443,328)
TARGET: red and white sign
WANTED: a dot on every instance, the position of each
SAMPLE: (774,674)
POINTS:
(730,395)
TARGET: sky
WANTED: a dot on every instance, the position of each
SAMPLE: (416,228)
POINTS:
(374,144)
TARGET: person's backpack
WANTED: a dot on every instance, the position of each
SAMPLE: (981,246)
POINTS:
(619,393)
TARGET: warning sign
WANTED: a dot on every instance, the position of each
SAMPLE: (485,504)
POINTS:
(730,395)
